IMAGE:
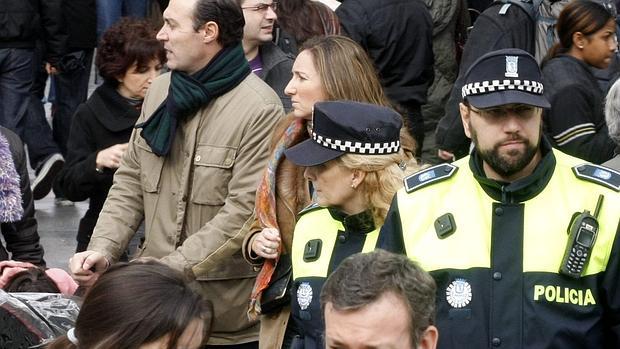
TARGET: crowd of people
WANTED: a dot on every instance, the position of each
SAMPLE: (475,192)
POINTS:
(273,161)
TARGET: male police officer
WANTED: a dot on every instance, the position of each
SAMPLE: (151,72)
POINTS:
(492,228)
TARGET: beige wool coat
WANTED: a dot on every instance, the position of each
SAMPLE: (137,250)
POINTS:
(197,202)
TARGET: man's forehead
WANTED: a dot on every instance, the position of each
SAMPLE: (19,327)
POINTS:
(178,10)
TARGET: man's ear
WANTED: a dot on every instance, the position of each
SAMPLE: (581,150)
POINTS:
(465,119)
(210,32)
(429,338)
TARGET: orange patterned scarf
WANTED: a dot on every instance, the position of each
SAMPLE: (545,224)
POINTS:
(265,208)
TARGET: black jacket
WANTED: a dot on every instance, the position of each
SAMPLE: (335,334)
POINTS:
(491,32)
(576,121)
(80,18)
(277,70)
(21,237)
(23,21)
(104,120)
(397,34)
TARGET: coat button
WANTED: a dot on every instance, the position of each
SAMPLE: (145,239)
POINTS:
(497,276)
(499,211)
(342,238)
(197,158)
(496,342)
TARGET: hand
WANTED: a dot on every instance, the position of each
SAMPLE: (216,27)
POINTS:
(50,69)
(266,243)
(445,155)
(8,269)
(111,157)
(87,266)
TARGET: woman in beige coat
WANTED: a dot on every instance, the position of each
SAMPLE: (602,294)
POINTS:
(327,68)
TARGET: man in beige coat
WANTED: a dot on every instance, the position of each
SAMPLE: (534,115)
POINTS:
(193,165)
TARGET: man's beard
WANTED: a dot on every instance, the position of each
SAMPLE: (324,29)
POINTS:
(510,163)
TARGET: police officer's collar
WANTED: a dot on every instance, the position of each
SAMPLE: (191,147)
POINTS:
(361,222)
(522,189)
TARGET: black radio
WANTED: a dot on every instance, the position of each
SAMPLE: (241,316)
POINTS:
(582,236)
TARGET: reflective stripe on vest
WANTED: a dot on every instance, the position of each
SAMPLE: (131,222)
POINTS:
(319,224)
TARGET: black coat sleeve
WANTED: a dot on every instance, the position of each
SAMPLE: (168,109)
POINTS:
(54,29)
(575,128)
(22,238)
(79,179)
(611,287)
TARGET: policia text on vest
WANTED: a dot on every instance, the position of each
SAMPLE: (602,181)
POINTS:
(495,251)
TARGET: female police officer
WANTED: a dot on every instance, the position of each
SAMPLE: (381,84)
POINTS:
(354,161)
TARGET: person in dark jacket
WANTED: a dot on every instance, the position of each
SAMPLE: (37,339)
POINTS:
(71,82)
(128,59)
(17,221)
(266,59)
(22,23)
(300,20)
(399,41)
(492,31)
(576,121)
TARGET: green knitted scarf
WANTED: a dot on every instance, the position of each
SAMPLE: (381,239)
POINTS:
(189,93)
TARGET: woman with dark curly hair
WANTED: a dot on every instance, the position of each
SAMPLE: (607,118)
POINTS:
(128,58)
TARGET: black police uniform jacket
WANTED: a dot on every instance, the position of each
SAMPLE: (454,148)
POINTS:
(323,238)
(496,261)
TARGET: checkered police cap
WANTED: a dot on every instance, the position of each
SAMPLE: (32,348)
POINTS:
(508,76)
(341,127)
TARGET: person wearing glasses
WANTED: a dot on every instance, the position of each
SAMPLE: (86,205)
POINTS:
(266,59)
(521,239)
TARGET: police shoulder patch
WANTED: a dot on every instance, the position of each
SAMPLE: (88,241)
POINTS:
(428,176)
(598,174)
(309,208)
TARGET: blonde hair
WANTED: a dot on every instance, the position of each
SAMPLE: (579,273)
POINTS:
(384,177)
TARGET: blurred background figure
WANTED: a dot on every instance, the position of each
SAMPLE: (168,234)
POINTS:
(612,117)
(110,11)
(300,20)
(69,84)
(17,221)
(140,305)
(266,59)
(576,121)
(397,35)
(23,23)
(129,58)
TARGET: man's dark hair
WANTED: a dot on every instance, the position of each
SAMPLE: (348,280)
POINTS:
(363,278)
(228,16)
